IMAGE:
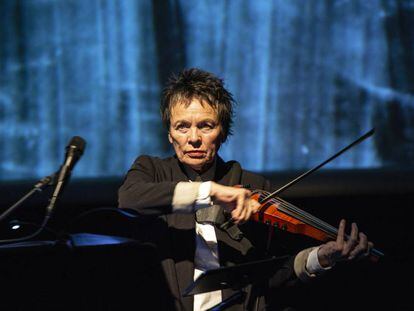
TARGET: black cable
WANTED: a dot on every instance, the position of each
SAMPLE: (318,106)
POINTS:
(38,187)
(31,236)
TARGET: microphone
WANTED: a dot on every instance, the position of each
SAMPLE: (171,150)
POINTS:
(74,150)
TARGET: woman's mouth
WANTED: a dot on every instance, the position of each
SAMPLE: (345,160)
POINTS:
(196,154)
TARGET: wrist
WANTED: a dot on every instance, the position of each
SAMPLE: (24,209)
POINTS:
(213,188)
(324,260)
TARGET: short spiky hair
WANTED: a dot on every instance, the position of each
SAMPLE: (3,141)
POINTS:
(196,83)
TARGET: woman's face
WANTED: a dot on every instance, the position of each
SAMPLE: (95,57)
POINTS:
(195,133)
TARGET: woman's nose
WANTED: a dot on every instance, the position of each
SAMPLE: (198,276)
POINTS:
(194,135)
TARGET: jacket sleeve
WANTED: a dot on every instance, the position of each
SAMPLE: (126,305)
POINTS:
(143,192)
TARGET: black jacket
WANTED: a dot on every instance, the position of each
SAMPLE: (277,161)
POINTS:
(148,189)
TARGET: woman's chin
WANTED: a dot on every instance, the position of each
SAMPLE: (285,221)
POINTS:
(196,163)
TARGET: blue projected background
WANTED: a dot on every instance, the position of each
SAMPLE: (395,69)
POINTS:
(309,77)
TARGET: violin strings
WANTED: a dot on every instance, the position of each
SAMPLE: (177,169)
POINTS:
(306,217)
(309,219)
(286,211)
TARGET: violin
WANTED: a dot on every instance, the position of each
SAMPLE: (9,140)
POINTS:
(283,215)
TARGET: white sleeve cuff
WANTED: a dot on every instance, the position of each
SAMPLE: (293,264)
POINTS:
(203,199)
(312,264)
(185,195)
(190,196)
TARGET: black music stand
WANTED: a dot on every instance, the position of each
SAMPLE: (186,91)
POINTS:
(234,277)
(82,271)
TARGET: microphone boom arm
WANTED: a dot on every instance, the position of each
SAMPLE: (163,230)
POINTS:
(38,187)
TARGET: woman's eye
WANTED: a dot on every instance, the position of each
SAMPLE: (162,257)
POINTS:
(207,126)
(181,127)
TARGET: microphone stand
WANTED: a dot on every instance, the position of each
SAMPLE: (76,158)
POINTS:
(38,187)
(74,150)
